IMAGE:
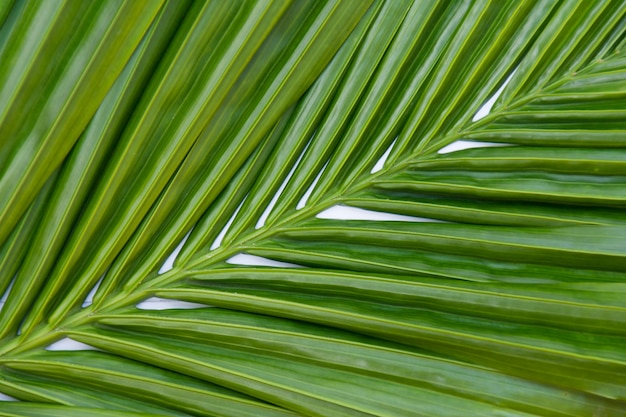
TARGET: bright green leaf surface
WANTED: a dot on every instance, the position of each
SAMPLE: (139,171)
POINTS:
(128,128)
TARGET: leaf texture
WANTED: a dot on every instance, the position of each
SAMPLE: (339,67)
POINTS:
(134,129)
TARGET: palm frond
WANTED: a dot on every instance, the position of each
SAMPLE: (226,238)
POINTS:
(134,129)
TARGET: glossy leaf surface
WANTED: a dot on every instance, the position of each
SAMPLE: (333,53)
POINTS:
(487,281)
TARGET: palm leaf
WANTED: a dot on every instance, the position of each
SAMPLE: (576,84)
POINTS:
(483,281)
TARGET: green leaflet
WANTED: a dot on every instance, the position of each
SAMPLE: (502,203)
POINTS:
(75,42)
(550,305)
(555,356)
(145,386)
(84,163)
(45,410)
(369,257)
(565,246)
(378,365)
